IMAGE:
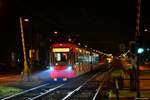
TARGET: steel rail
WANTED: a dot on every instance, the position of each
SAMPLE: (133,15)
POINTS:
(9,97)
(77,89)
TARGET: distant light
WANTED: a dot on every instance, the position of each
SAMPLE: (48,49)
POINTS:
(26,20)
(140,50)
(79,43)
(148,49)
(55,32)
(86,46)
(145,30)
(80,50)
(18,60)
(69,39)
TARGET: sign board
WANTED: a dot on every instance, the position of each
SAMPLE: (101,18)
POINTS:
(60,50)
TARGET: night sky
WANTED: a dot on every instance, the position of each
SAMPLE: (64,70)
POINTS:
(98,23)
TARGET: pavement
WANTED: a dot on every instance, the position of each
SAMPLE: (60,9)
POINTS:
(126,94)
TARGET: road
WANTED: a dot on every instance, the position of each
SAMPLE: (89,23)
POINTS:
(7,78)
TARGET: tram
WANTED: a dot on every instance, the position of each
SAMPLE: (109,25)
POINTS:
(68,60)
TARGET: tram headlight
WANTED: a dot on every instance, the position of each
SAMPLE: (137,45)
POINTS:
(51,68)
(70,67)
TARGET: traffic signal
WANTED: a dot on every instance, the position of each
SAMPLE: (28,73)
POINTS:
(140,50)
(139,45)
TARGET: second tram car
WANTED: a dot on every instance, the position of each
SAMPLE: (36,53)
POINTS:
(68,60)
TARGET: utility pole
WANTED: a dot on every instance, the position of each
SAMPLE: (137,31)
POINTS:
(137,35)
(26,70)
(138,19)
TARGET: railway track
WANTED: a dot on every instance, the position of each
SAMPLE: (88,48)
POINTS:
(89,90)
(33,92)
(86,87)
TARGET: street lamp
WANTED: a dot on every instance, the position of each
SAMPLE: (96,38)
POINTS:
(26,70)
(26,20)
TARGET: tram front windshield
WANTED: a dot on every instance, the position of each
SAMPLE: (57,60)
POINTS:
(61,58)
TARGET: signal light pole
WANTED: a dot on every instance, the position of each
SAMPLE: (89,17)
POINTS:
(26,70)
(137,36)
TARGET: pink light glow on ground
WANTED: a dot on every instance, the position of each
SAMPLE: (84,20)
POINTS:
(62,74)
